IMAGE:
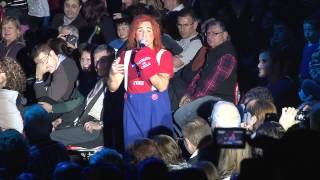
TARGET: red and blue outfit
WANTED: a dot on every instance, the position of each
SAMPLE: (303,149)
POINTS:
(145,107)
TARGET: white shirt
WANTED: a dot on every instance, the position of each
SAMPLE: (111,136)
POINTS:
(178,8)
(38,8)
(10,117)
(190,49)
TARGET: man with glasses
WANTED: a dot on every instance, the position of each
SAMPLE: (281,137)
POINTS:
(63,73)
(217,76)
(190,42)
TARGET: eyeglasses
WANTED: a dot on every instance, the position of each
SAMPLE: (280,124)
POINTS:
(184,25)
(213,33)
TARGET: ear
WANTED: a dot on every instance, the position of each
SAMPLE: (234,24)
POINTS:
(225,35)
(195,24)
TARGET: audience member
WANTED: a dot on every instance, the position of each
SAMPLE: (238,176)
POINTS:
(142,149)
(311,35)
(209,168)
(152,168)
(45,153)
(12,40)
(71,15)
(67,170)
(12,87)
(190,41)
(84,128)
(170,152)
(170,19)
(100,29)
(217,76)
(13,153)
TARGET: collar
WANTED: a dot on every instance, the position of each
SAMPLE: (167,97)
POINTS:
(194,154)
(189,38)
(178,8)
(61,58)
(67,21)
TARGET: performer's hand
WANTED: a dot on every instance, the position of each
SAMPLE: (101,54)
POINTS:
(146,60)
(117,68)
(185,100)
(91,126)
(46,106)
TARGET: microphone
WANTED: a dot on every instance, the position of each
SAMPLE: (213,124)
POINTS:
(141,43)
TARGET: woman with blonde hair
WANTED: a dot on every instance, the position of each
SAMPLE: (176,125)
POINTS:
(170,152)
(12,41)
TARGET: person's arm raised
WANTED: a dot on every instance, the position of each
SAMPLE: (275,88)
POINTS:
(116,75)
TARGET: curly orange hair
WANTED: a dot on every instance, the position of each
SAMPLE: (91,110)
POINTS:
(157,44)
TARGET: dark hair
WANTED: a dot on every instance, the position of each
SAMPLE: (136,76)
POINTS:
(152,168)
(271,129)
(278,56)
(67,170)
(89,48)
(122,21)
(59,46)
(14,152)
(143,148)
(16,78)
(36,123)
(94,10)
(187,12)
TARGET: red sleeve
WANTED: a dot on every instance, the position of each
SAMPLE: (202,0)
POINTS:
(166,63)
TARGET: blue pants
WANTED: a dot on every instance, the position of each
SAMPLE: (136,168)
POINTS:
(143,112)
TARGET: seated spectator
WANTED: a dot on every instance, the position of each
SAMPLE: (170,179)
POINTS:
(12,87)
(101,29)
(142,149)
(271,68)
(67,170)
(170,152)
(53,58)
(262,111)
(13,154)
(152,168)
(84,128)
(101,171)
(123,27)
(311,35)
(197,136)
(87,76)
(45,153)
(71,15)
(70,34)
(218,76)
(108,156)
(187,24)
(226,115)
(12,41)
(209,168)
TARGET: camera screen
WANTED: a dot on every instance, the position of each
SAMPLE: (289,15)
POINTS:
(230,137)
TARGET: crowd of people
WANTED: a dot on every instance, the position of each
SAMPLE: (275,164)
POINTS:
(146,89)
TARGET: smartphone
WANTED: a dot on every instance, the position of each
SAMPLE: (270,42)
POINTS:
(230,137)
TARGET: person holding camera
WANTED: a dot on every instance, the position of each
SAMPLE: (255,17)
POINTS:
(145,70)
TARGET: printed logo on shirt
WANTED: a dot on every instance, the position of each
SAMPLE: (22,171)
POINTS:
(138,83)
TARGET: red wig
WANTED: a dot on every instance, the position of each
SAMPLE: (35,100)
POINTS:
(132,43)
